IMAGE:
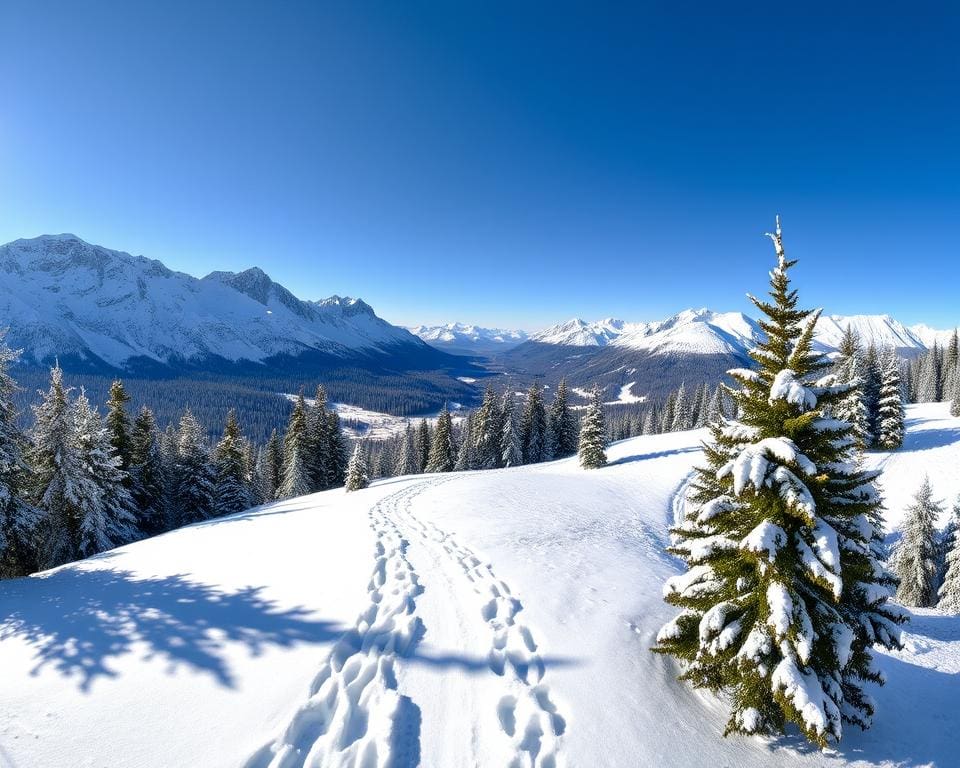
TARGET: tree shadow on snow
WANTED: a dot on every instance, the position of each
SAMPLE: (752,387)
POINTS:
(654,455)
(925,439)
(78,620)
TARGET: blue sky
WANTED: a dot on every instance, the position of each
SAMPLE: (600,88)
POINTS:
(502,163)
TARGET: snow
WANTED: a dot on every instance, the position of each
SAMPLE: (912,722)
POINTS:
(375,425)
(60,295)
(467,336)
(463,619)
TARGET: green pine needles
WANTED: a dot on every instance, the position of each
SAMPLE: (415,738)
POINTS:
(785,592)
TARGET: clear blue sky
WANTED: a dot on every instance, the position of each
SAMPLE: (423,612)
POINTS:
(501,163)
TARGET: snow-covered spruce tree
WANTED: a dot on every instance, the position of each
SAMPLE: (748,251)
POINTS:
(717,409)
(316,449)
(593,434)
(890,413)
(270,469)
(949,593)
(955,396)
(56,470)
(851,368)
(465,453)
(486,431)
(511,451)
(443,452)
(231,491)
(785,593)
(100,500)
(533,428)
(357,473)
(928,387)
(915,556)
(680,415)
(147,474)
(562,424)
(193,473)
(18,517)
(422,443)
(407,462)
(118,424)
(296,478)
(337,451)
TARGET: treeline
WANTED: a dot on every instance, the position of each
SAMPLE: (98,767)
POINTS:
(73,483)
(934,376)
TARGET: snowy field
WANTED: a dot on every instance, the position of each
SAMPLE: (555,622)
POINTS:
(498,618)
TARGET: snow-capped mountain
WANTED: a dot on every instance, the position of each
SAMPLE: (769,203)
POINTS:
(460,337)
(63,297)
(702,331)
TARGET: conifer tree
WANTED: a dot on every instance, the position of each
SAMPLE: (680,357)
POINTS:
(511,451)
(593,434)
(147,474)
(357,474)
(316,449)
(785,592)
(486,432)
(915,558)
(101,502)
(407,459)
(666,413)
(337,454)
(562,424)
(955,396)
(18,517)
(533,428)
(949,592)
(851,369)
(296,478)
(465,452)
(928,377)
(443,452)
(422,443)
(716,409)
(118,424)
(681,411)
(192,474)
(231,488)
(56,472)
(890,413)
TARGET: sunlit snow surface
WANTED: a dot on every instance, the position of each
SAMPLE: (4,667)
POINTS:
(470,619)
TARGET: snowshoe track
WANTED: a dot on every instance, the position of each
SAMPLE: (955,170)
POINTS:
(354,715)
(526,712)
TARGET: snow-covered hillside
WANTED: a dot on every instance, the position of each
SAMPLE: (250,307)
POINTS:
(477,619)
(62,296)
(702,331)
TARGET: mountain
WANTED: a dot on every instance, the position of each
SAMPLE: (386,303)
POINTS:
(690,347)
(459,338)
(63,297)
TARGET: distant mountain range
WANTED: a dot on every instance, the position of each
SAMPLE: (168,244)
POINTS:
(100,308)
(693,331)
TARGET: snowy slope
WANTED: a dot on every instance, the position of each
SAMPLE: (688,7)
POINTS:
(62,296)
(468,338)
(703,331)
(472,619)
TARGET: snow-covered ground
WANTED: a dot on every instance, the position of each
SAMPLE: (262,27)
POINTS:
(476,619)
(375,425)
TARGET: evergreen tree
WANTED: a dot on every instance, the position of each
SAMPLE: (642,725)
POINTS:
(101,502)
(511,450)
(408,462)
(915,558)
(533,428)
(357,475)
(18,517)
(192,474)
(949,592)
(562,424)
(118,424)
(231,487)
(270,468)
(315,450)
(336,452)
(928,377)
(851,368)
(681,412)
(297,479)
(443,453)
(465,453)
(667,413)
(56,472)
(422,445)
(717,409)
(785,592)
(593,434)
(955,396)
(147,474)
(890,414)
(486,432)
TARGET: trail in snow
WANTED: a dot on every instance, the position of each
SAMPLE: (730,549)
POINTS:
(354,715)
(526,712)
